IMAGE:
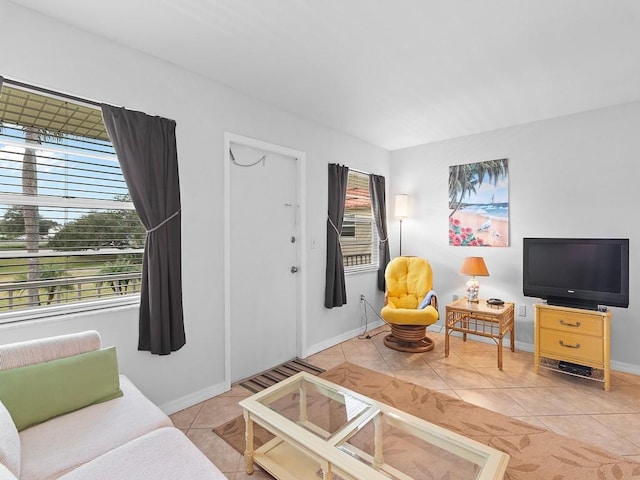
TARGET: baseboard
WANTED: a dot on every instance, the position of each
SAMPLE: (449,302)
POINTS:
(193,398)
(214,390)
(332,342)
(625,367)
(524,347)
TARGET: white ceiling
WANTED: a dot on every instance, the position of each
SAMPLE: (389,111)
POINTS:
(395,73)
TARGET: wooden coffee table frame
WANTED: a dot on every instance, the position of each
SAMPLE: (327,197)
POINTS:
(480,319)
(300,450)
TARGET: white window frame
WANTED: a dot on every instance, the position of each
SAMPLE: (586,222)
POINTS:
(71,307)
(373,264)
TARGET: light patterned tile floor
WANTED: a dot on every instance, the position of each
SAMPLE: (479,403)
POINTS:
(566,405)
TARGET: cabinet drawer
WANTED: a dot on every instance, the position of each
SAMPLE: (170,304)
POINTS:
(571,322)
(573,347)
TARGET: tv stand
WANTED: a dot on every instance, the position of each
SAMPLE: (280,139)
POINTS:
(574,335)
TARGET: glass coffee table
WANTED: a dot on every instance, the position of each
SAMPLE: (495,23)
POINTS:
(323,430)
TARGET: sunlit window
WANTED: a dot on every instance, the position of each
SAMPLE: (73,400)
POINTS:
(359,237)
(69,235)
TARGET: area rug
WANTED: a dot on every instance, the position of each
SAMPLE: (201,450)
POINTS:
(535,453)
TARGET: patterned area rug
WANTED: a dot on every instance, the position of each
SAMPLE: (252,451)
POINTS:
(535,453)
(271,377)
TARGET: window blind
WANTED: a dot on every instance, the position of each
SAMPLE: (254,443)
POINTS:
(69,233)
(359,237)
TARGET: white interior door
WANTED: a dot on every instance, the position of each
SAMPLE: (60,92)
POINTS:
(263,251)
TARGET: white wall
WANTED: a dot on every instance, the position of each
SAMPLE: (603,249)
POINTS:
(52,55)
(571,176)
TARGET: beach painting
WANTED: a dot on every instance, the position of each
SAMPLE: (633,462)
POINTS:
(479,204)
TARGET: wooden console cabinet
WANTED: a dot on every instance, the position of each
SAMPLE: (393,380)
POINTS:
(573,335)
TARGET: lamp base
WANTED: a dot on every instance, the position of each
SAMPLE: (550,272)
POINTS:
(473,290)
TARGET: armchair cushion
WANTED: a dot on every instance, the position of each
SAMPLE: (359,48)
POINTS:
(409,281)
(410,316)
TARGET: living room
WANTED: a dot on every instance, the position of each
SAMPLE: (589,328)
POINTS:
(570,176)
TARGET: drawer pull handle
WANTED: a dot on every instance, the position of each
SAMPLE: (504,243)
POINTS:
(567,324)
(577,345)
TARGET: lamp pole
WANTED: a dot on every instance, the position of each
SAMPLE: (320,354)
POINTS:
(401,210)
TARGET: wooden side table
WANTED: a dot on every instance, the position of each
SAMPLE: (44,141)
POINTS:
(480,319)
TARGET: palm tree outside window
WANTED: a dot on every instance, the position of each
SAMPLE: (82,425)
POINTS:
(69,235)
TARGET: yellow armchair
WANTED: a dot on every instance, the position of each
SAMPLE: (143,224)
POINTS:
(410,304)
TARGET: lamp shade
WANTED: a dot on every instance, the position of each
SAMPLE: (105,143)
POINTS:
(474,266)
(402,206)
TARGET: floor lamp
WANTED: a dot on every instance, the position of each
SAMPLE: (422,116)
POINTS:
(402,203)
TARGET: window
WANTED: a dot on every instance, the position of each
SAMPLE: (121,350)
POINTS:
(69,235)
(359,236)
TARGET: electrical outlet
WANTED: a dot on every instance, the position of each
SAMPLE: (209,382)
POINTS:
(362,299)
(522,310)
(455,297)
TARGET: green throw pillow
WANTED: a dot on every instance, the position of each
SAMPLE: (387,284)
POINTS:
(36,393)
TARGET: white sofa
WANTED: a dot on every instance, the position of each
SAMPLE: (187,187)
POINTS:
(124,438)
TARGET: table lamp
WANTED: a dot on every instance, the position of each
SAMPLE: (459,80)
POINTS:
(475,267)
(401,212)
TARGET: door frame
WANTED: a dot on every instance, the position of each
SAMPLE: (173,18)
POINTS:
(301,244)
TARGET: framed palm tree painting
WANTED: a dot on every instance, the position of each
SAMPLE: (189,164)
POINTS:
(479,204)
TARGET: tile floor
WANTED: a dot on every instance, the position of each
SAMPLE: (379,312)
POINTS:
(567,405)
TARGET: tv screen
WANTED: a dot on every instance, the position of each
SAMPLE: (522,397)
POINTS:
(577,272)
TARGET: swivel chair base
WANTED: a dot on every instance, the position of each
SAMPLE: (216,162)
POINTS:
(408,338)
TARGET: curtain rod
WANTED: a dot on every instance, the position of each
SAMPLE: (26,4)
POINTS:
(359,171)
(16,83)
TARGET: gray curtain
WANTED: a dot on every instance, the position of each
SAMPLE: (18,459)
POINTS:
(146,149)
(379,205)
(335,294)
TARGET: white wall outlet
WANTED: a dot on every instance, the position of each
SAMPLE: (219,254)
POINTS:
(455,297)
(522,310)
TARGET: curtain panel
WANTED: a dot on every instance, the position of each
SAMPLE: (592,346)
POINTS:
(335,294)
(379,206)
(146,149)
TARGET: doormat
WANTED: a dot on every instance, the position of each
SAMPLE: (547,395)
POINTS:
(271,377)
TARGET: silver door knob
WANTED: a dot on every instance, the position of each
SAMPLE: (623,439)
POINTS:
(294,269)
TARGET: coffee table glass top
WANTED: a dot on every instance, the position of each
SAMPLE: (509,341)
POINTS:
(405,452)
(320,409)
(360,437)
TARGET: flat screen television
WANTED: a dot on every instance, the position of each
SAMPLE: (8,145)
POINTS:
(577,272)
